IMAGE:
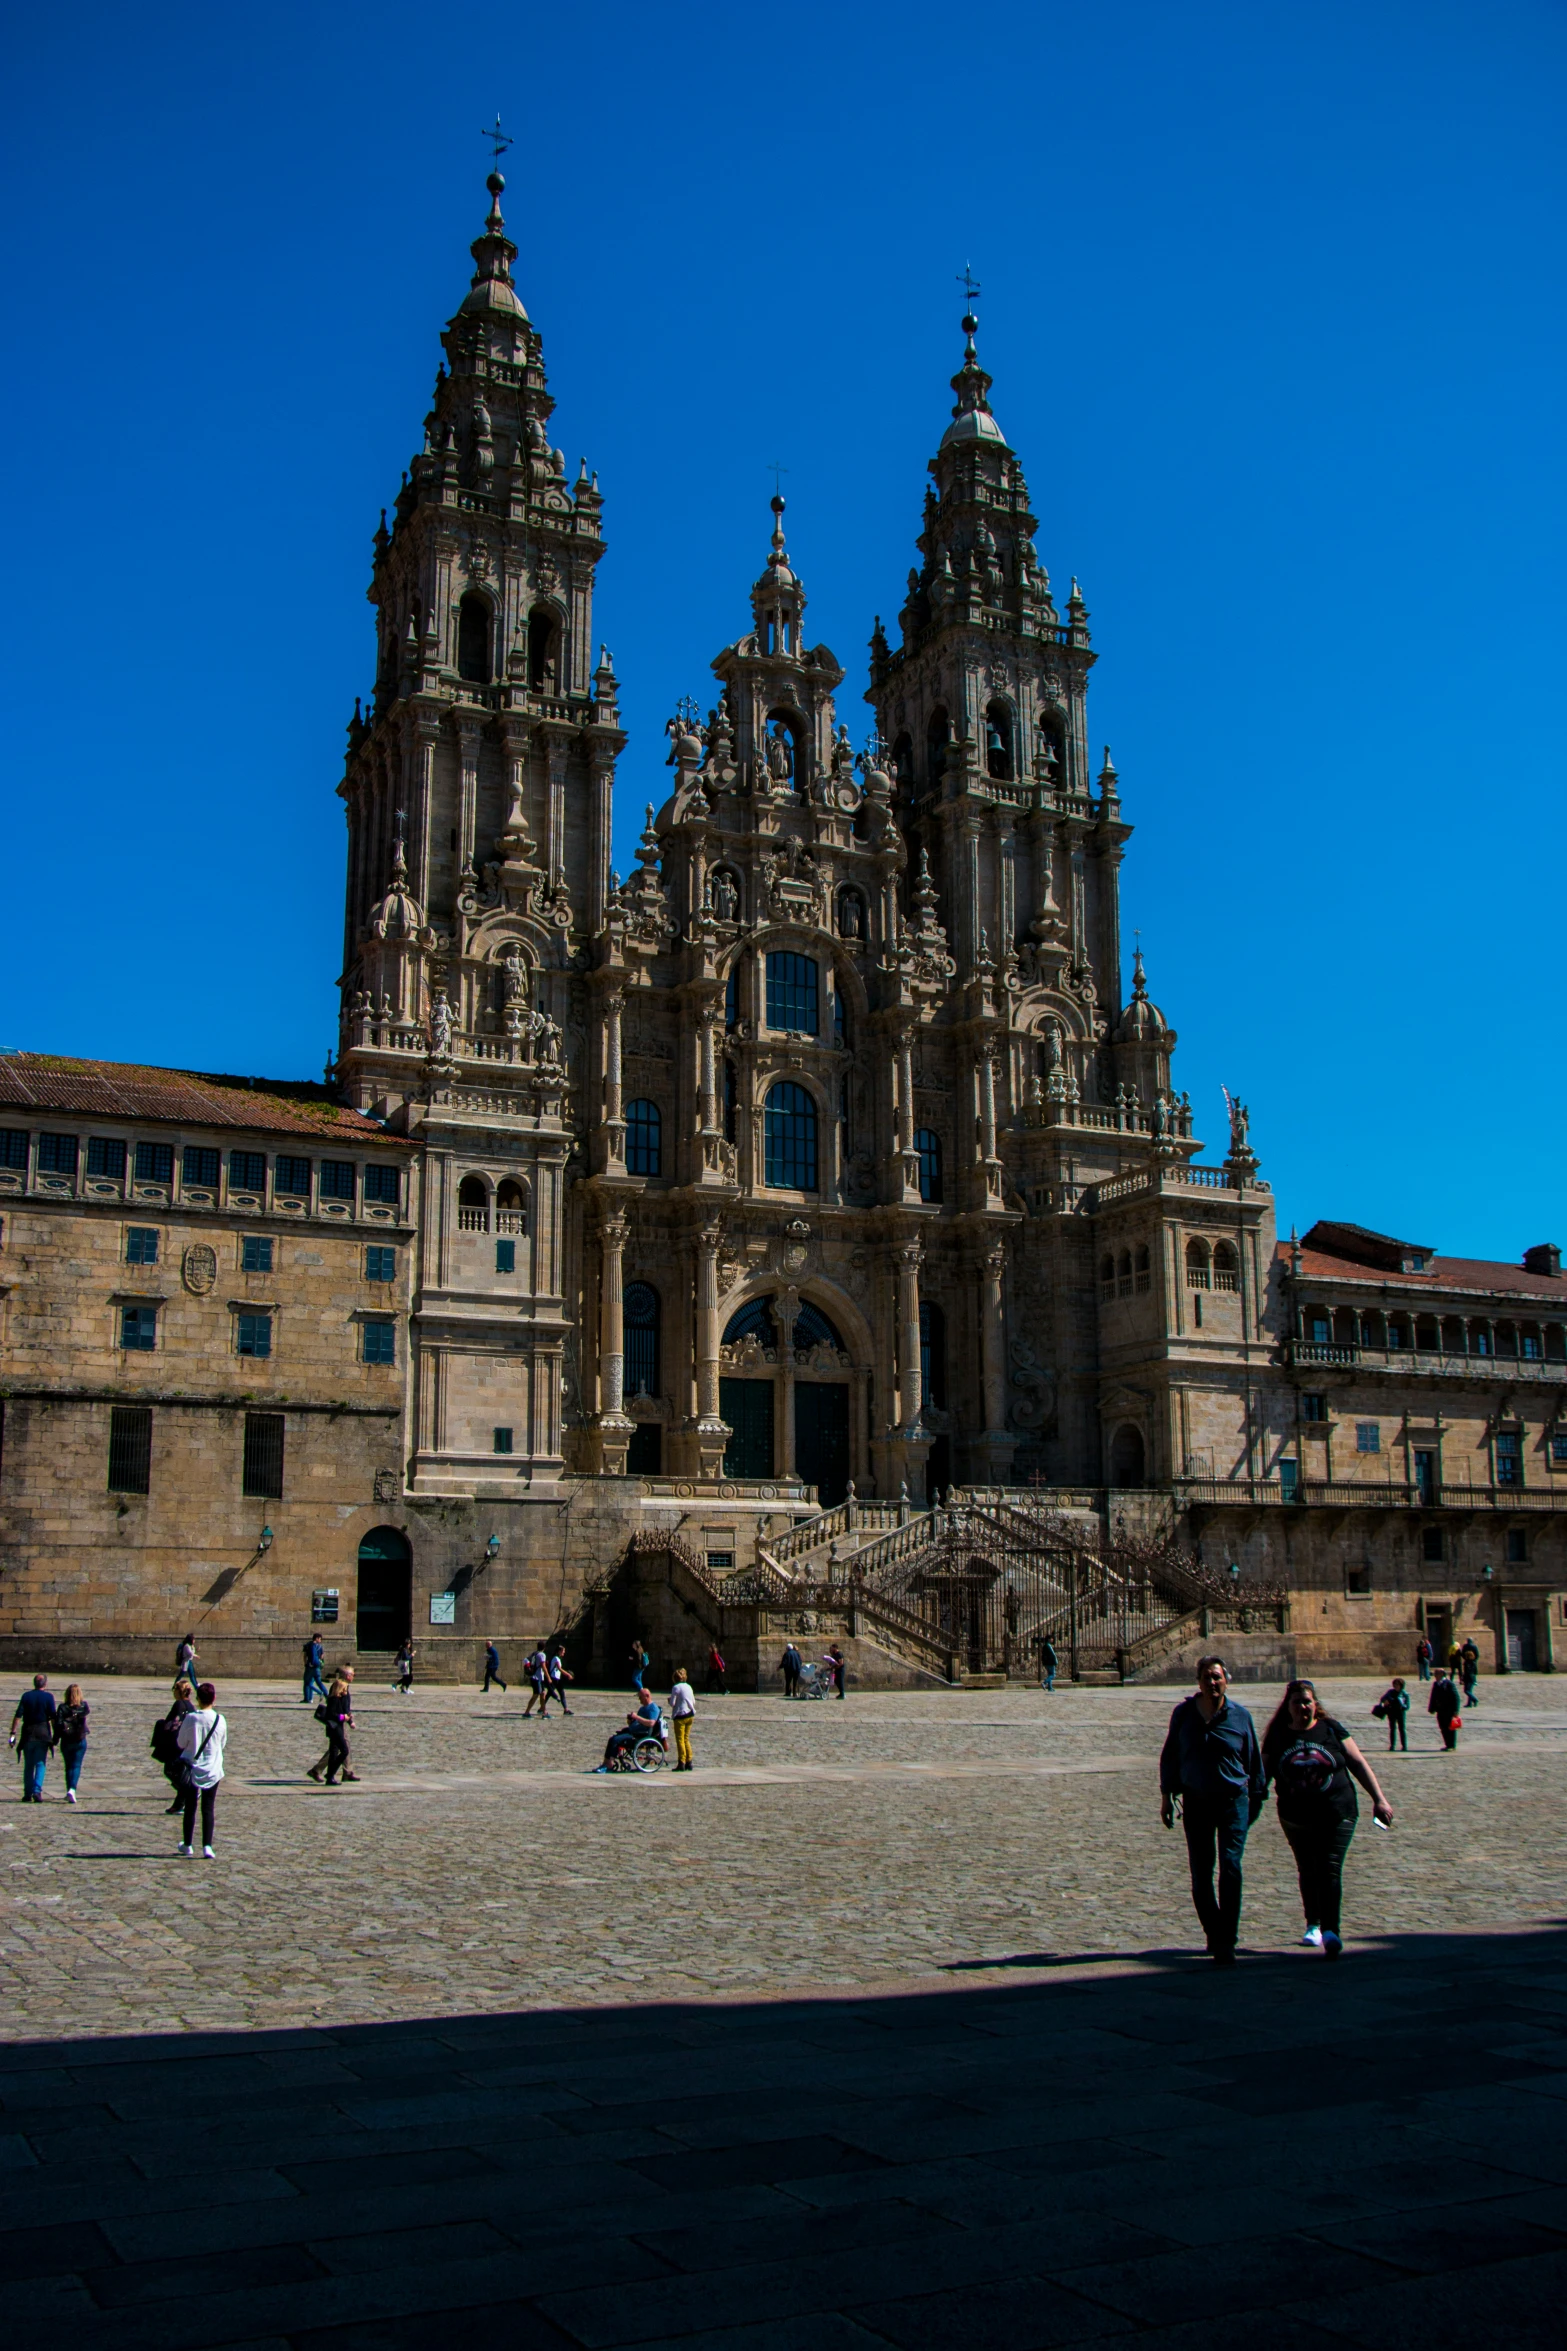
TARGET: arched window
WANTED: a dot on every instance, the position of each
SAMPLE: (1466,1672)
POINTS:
(1127,1457)
(1107,1276)
(732,997)
(812,1328)
(1124,1274)
(644,1139)
(903,759)
(473,639)
(1052,748)
(998,741)
(641,1328)
(1226,1268)
(1144,1269)
(543,665)
(754,1321)
(473,1205)
(933,1354)
(938,734)
(1197,1265)
(789,1133)
(511,1208)
(928,1144)
(731,1101)
(793,994)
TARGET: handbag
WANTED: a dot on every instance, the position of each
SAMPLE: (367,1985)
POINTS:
(1380,1711)
(322,1714)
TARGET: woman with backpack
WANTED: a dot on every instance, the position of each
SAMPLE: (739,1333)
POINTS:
(166,1742)
(70,1731)
(203,1737)
(405,1667)
(337,1713)
(1314,1764)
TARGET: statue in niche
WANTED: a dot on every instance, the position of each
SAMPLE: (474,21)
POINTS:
(440,1026)
(851,920)
(726,898)
(780,757)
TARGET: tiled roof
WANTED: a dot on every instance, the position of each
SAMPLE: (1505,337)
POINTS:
(1441,1273)
(50,1083)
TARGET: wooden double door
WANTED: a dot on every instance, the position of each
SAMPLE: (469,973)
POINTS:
(821,1432)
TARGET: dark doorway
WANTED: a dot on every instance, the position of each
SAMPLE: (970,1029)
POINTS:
(1522,1654)
(821,1438)
(1126,1457)
(747,1405)
(645,1453)
(384,1615)
(1439,1629)
(938,1469)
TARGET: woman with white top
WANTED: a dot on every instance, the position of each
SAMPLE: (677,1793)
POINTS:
(682,1705)
(202,1738)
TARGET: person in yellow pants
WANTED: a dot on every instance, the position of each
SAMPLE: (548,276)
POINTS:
(682,1707)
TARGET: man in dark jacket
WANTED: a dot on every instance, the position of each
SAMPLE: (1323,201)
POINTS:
(1213,1764)
(1445,1703)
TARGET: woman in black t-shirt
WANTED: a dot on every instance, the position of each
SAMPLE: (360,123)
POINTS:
(1313,1764)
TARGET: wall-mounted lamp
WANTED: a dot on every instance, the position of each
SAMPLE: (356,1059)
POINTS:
(1235,1571)
(494,1544)
(1487,1571)
(264,1540)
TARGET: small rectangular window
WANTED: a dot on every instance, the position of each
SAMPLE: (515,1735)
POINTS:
(501,1440)
(1289,1480)
(255,1253)
(105,1156)
(1509,1457)
(380,1265)
(505,1256)
(721,1562)
(1432,1548)
(1559,1447)
(201,1166)
(253,1334)
(155,1163)
(1517,1547)
(141,1245)
(262,1474)
(138,1328)
(380,1342)
(1368,1436)
(1313,1408)
(337,1179)
(383,1184)
(130,1449)
(248,1171)
(13,1147)
(57,1155)
(291,1177)
(1357,1580)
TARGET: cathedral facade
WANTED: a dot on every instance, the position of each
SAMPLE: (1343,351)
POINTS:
(823,1165)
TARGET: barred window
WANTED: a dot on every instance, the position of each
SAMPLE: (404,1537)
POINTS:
(789,1134)
(793,994)
(13,1147)
(380,1265)
(130,1449)
(255,1253)
(248,1170)
(155,1163)
(337,1179)
(105,1156)
(383,1184)
(253,1334)
(139,1329)
(644,1139)
(641,1328)
(57,1154)
(380,1340)
(263,1464)
(201,1165)
(291,1177)
(141,1245)
(928,1144)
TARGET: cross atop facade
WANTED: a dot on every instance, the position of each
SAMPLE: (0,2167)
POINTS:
(777,471)
(970,288)
(499,142)
(688,709)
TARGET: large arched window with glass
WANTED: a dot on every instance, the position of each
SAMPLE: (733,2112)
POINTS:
(640,1310)
(789,1138)
(933,1354)
(928,1144)
(644,1139)
(793,993)
(473,639)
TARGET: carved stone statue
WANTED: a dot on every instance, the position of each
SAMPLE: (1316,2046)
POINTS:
(440,1026)
(780,756)
(1240,1124)
(850,922)
(726,898)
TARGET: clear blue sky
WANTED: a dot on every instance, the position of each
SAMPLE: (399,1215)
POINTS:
(1273,302)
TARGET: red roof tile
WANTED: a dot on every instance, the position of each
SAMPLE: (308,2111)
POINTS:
(1441,1273)
(50,1083)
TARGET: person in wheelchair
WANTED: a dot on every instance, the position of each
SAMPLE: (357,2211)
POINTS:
(643,1724)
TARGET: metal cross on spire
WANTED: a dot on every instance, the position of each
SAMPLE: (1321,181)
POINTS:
(969,285)
(499,142)
(777,471)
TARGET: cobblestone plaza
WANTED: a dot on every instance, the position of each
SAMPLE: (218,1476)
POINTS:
(887,2022)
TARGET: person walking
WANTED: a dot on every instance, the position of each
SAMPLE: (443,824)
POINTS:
(70,1730)
(405,1667)
(1455,1657)
(717,1671)
(558,1677)
(338,1716)
(840,1670)
(1393,1709)
(1425,1656)
(640,1661)
(791,1663)
(203,1737)
(166,1743)
(315,1680)
(1313,1764)
(1445,1703)
(1049,1663)
(1211,1767)
(492,1668)
(32,1730)
(537,1671)
(682,1708)
(1469,1669)
(185,1661)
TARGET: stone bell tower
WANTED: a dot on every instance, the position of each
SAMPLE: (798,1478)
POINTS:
(477,791)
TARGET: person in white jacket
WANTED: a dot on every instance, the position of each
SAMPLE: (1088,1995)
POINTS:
(202,1739)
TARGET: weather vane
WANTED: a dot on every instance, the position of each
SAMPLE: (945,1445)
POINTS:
(777,471)
(499,141)
(966,281)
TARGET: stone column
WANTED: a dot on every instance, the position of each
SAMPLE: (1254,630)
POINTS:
(468,730)
(987,1100)
(907,1258)
(614,1124)
(904,1050)
(707,1082)
(614,1428)
(992,1341)
(556,843)
(598,848)
(424,741)
(711,1431)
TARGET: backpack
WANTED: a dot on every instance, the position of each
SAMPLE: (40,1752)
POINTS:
(165,1741)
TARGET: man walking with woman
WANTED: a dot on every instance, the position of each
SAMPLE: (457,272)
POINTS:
(1211,1772)
(203,1736)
